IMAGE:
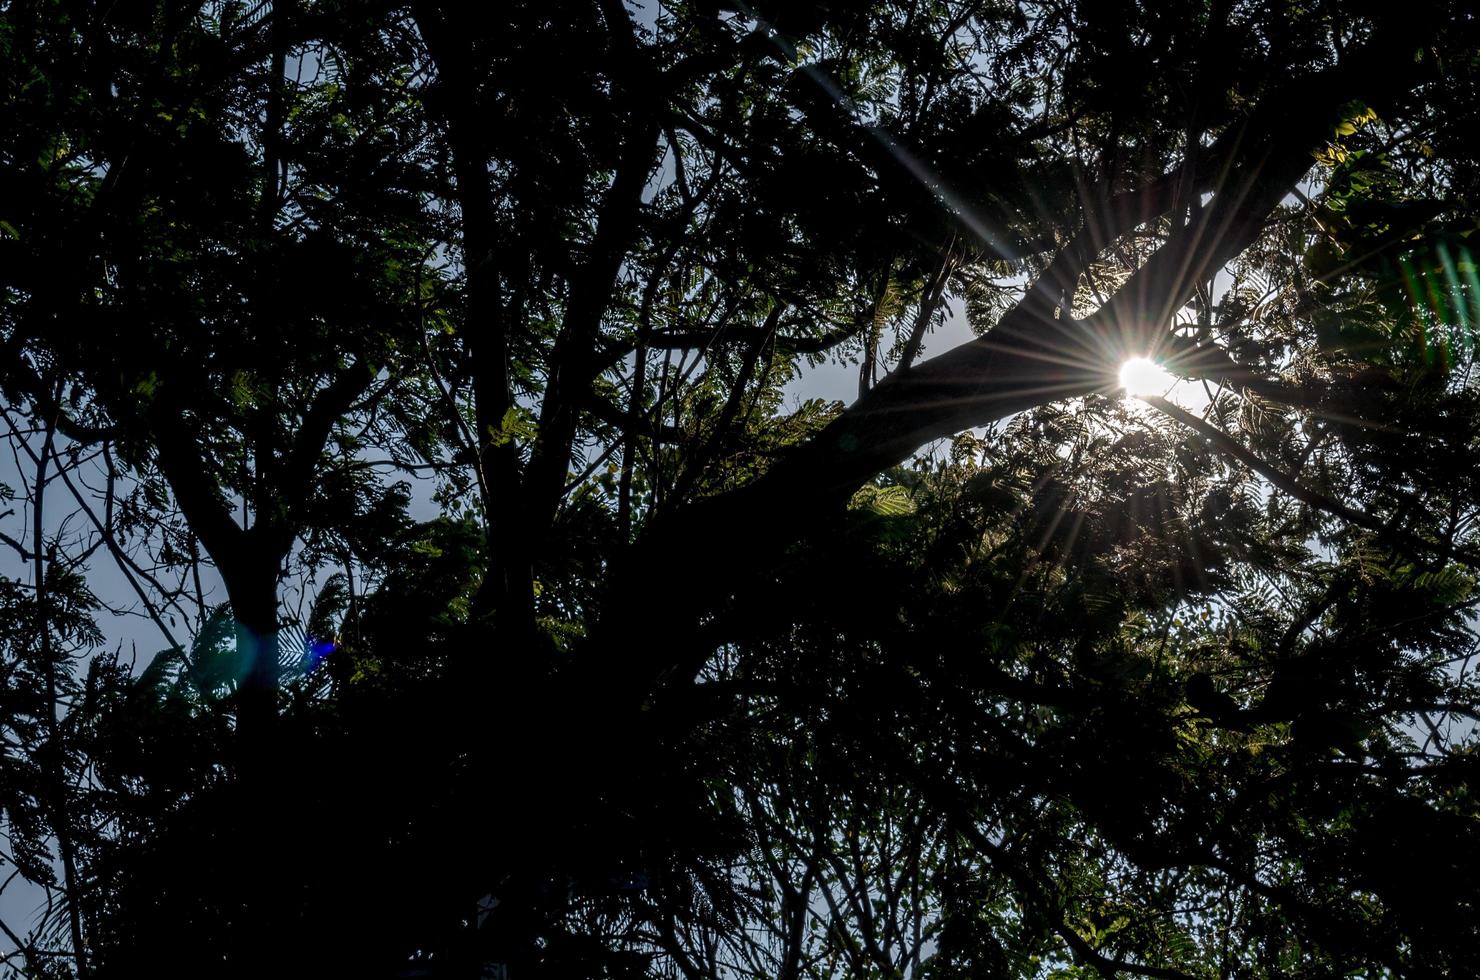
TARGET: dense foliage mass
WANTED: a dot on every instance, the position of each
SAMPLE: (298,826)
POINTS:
(429,380)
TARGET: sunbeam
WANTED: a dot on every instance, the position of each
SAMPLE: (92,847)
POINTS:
(1143,376)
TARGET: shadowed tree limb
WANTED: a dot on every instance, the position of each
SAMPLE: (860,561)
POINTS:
(1289,485)
(1030,358)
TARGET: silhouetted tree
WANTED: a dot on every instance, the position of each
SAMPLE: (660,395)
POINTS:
(456,342)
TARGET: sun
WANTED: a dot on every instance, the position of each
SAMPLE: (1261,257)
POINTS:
(1142,376)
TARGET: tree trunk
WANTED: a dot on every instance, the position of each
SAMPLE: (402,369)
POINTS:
(264,908)
(254,606)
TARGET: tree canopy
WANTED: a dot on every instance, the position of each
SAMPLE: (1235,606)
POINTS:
(436,383)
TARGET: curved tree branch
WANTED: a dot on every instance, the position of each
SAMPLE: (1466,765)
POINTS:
(1289,485)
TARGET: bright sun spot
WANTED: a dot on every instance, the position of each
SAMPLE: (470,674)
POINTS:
(1143,376)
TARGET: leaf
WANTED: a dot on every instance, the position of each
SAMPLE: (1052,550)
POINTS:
(884,501)
(518,424)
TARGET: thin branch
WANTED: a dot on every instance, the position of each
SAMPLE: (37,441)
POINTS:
(1305,495)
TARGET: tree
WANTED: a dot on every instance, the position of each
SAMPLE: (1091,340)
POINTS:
(681,680)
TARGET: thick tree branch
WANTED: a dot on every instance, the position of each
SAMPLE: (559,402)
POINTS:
(1029,358)
(685,340)
(571,368)
(178,454)
(327,407)
(491,318)
(605,411)
(930,300)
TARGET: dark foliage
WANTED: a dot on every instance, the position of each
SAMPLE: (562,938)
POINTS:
(427,376)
